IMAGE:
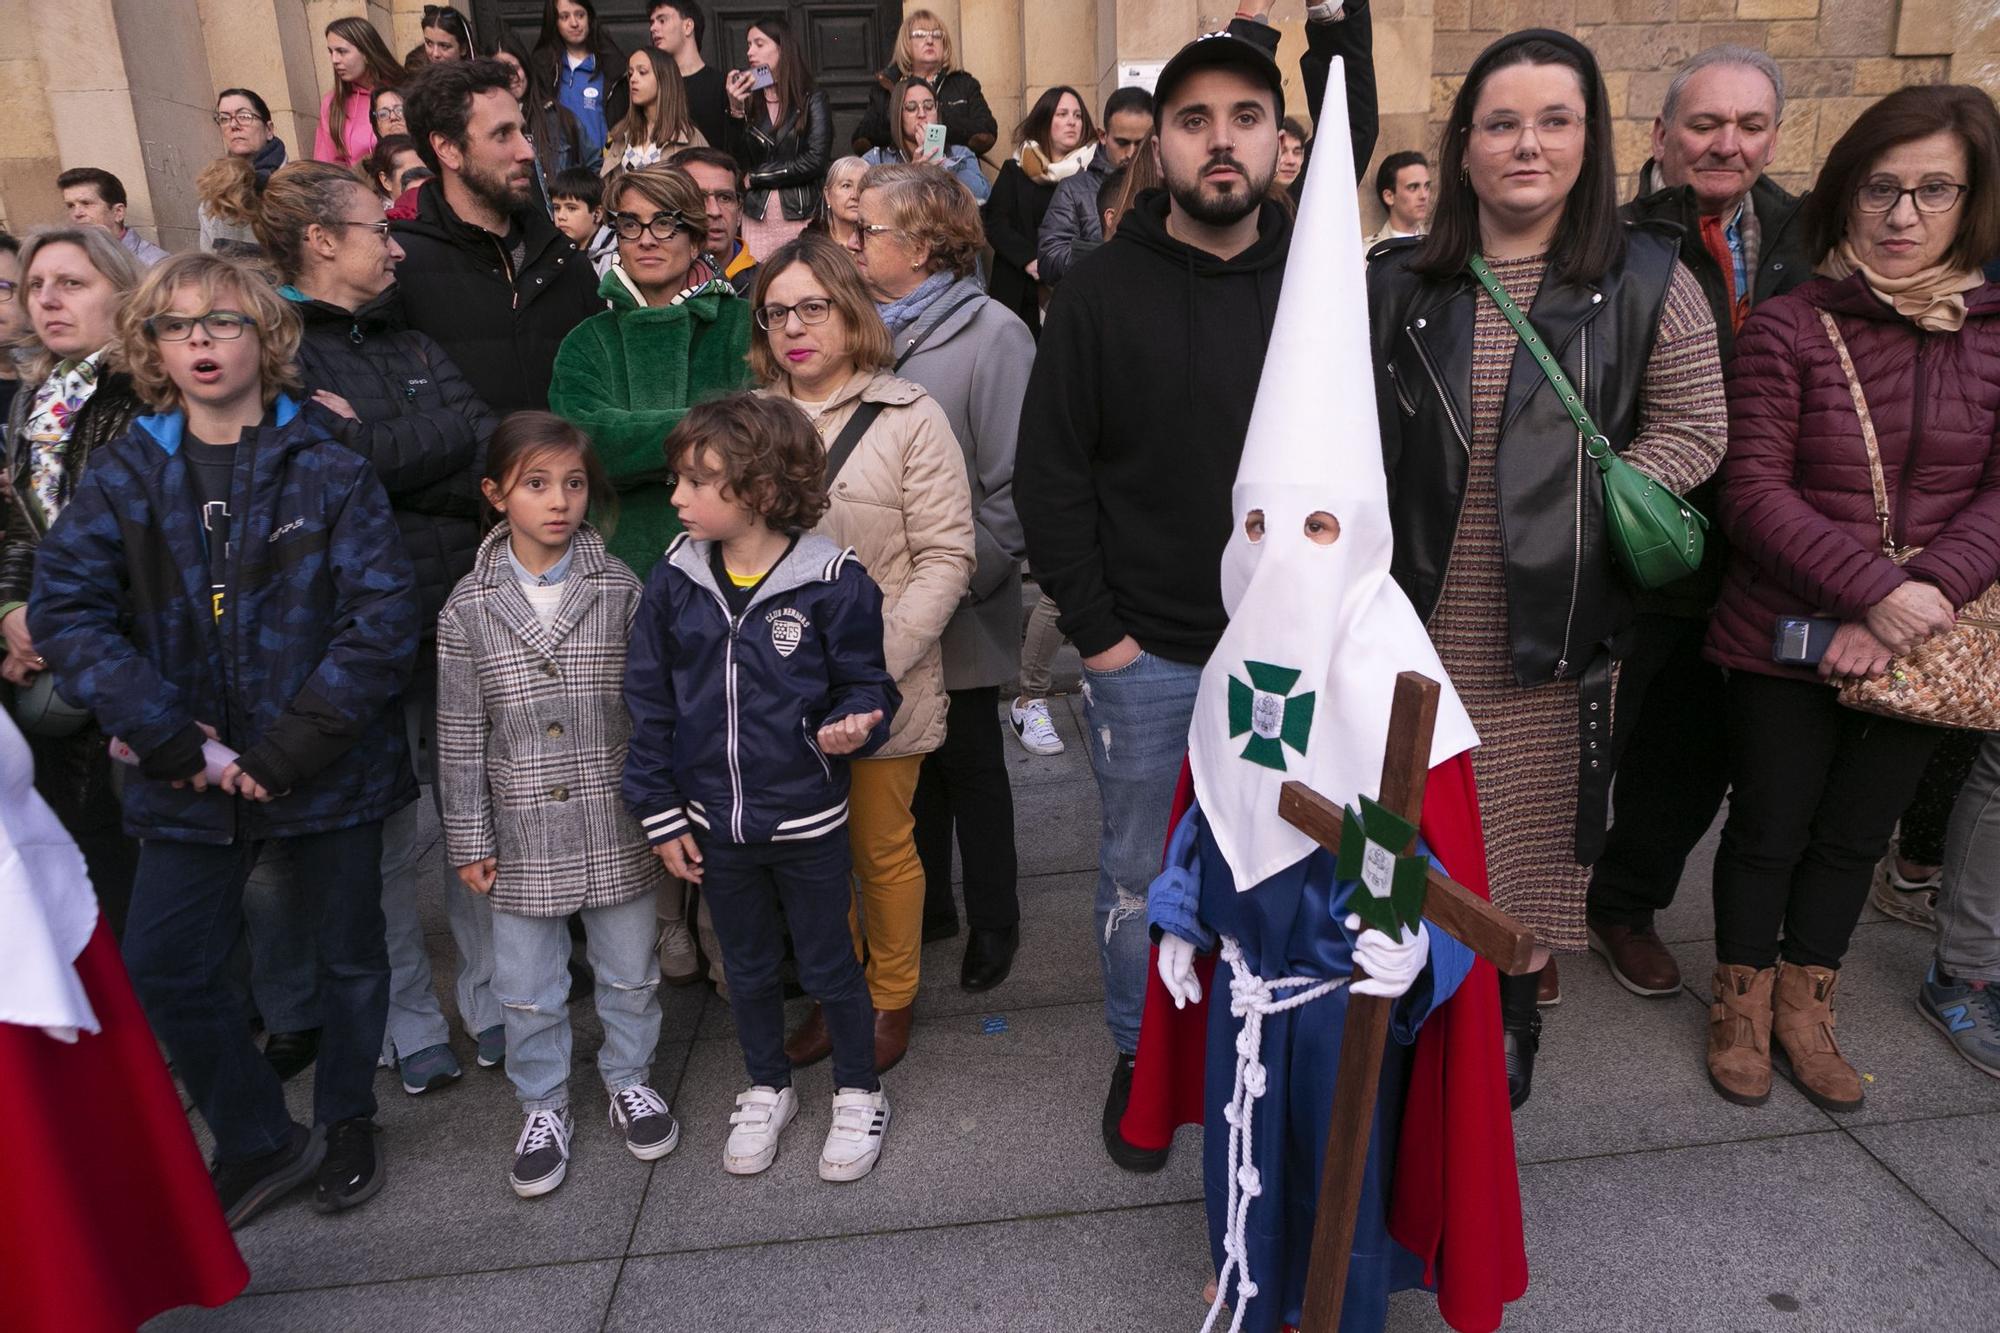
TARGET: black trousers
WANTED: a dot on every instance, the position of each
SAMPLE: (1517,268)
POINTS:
(963,788)
(1929,812)
(1817,789)
(1672,774)
(75,775)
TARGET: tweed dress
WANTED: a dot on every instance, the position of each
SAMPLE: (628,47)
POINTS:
(532,733)
(1526,760)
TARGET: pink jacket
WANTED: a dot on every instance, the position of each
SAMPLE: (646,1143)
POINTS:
(357,135)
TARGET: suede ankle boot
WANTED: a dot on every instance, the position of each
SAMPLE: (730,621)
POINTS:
(1739,1034)
(1803,1024)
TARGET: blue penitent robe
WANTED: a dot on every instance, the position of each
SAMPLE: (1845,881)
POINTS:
(1292,925)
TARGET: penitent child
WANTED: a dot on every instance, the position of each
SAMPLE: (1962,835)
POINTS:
(755,670)
(225,572)
(531,742)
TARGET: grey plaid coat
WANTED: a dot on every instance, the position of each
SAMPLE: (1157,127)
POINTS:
(532,732)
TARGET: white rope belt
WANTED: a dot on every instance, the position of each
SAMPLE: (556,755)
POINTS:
(1251,998)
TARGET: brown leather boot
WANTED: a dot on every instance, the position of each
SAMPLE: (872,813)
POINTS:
(1803,1023)
(1739,1034)
(892,1036)
(810,1042)
(1639,961)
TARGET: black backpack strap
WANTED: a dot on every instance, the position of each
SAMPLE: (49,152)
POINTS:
(850,436)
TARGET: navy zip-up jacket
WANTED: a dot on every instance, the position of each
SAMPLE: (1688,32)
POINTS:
(303,671)
(726,709)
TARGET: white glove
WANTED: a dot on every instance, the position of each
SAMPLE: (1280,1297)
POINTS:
(1390,966)
(1177,970)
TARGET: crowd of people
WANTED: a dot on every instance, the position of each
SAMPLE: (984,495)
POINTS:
(573,442)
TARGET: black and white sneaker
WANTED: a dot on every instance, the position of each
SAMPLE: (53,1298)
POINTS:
(649,1127)
(247,1188)
(541,1154)
(352,1173)
(854,1141)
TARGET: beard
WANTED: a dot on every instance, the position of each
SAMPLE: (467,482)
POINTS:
(1215,206)
(498,190)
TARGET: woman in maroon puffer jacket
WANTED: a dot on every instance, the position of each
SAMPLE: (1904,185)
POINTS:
(1906,208)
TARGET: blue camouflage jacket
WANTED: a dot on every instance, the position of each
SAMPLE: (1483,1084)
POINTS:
(302,671)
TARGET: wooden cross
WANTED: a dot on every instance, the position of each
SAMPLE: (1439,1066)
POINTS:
(1448,906)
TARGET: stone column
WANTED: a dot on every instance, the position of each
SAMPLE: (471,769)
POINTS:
(29,160)
(271,49)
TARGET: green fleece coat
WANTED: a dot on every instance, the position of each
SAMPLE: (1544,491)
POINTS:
(628,376)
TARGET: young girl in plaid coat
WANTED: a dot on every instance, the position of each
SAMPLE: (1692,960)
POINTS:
(532,733)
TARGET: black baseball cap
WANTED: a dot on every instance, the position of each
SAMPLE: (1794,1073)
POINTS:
(1217,50)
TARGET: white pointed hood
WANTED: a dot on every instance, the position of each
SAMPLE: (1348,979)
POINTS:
(1301,683)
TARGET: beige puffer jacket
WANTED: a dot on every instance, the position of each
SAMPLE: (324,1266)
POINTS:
(903,503)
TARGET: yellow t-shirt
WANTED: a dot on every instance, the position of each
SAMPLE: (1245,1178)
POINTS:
(742,580)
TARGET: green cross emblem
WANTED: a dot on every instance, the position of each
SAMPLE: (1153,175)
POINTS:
(1389,888)
(1266,708)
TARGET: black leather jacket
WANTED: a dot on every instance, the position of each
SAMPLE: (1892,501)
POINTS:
(1566,602)
(788,162)
(103,419)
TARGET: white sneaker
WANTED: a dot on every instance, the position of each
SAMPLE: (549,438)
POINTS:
(541,1154)
(854,1141)
(1034,727)
(760,1116)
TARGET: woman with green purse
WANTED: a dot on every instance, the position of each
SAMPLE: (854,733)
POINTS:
(1548,385)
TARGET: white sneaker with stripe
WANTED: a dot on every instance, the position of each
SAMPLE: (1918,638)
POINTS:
(854,1141)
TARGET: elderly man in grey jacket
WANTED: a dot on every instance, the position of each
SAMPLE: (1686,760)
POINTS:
(1073,226)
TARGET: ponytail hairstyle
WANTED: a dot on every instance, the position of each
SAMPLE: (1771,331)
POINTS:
(382,70)
(525,438)
(299,195)
(227,188)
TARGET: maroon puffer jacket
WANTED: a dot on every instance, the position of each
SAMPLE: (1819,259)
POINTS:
(1796,499)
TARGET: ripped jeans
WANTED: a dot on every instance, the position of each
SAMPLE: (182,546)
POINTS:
(531,980)
(1136,721)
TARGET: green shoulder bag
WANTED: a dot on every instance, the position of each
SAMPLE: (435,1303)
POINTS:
(1656,535)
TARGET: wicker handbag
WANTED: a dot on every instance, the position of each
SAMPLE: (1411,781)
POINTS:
(1948,680)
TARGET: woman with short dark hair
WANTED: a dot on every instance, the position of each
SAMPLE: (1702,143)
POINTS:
(227,187)
(1882,366)
(1499,514)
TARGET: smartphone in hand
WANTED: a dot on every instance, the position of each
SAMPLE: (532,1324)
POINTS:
(1802,640)
(934,137)
(760,77)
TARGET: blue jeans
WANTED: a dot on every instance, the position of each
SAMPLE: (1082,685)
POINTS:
(187,911)
(281,955)
(743,886)
(531,977)
(1136,724)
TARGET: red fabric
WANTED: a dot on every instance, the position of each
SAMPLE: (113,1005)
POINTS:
(1715,239)
(1456,1200)
(405,206)
(106,1207)
(1796,500)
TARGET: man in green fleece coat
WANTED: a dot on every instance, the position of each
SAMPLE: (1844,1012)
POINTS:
(673,336)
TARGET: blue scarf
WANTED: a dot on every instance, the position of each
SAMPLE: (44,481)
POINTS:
(904,311)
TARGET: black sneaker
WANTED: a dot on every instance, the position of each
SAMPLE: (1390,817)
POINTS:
(649,1127)
(541,1154)
(1131,1158)
(248,1187)
(352,1173)
(291,1053)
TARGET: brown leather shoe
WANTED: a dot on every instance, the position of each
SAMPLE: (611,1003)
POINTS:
(1638,960)
(1803,1024)
(1739,1034)
(809,1043)
(1548,986)
(892,1036)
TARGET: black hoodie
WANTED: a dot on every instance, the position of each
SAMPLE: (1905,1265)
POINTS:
(1136,412)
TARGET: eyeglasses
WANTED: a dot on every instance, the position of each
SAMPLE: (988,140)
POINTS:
(927,34)
(868,229)
(388,113)
(224,326)
(380,228)
(7,290)
(1930,197)
(1554,129)
(224,119)
(813,310)
(727,198)
(661,225)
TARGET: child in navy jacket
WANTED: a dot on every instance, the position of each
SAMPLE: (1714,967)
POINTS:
(755,670)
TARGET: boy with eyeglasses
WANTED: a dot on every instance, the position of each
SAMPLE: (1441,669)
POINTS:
(228,595)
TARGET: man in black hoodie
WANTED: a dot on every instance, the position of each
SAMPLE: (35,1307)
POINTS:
(1134,422)
(485,272)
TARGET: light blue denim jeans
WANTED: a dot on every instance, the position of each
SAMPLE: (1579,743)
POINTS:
(1968,901)
(531,977)
(1136,724)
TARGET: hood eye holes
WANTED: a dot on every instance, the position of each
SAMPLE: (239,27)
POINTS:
(1253,525)
(1322,528)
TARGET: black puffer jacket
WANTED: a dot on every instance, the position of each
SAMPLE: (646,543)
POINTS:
(787,162)
(420,424)
(103,419)
(501,326)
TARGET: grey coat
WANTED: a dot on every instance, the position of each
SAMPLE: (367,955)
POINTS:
(532,733)
(973,359)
